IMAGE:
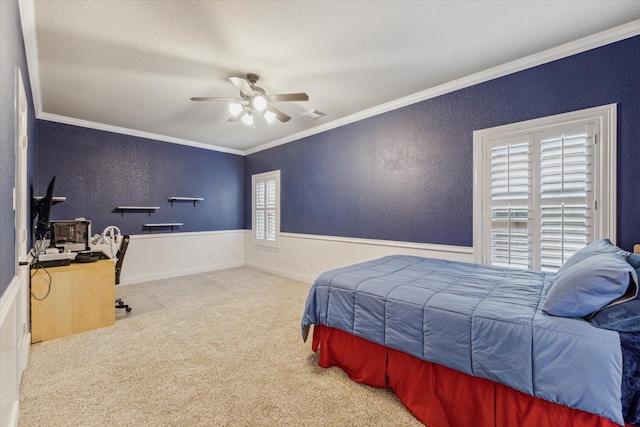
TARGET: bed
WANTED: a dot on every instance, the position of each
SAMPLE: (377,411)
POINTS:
(467,344)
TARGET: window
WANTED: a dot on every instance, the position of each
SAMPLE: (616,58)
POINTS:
(544,188)
(266,208)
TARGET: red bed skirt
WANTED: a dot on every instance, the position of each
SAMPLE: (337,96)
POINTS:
(439,396)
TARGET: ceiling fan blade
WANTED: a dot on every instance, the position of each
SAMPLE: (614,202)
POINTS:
(279,114)
(288,97)
(215,98)
(243,85)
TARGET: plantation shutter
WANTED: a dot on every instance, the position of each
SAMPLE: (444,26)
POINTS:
(270,210)
(260,200)
(566,194)
(510,204)
(544,188)
(541,197)
(266,205)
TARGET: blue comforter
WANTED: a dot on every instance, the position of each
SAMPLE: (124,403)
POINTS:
(482,320)
(630,343)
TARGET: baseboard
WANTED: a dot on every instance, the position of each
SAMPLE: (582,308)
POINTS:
(15,414)
(25,346)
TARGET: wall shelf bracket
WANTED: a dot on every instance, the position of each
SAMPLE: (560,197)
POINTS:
(55,199)
(163,224)
(137,208)
(185,199)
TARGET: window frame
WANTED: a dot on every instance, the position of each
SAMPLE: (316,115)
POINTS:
(604,168)
(264,243)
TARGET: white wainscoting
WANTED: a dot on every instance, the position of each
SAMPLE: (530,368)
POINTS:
(165,255)
(14,345)
(303,257)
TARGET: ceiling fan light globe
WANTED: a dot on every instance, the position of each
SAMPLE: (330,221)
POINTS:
(269,116)
(235,108)
(259,103)
(247,119)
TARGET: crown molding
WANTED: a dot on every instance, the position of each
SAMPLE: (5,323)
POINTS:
(27,14)
(582,45)
(27,19)
(132,132)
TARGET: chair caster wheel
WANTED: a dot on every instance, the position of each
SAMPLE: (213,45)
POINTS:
(128,309)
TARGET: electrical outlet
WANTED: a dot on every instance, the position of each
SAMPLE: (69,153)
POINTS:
(210,255)
(310,264)
(295,261)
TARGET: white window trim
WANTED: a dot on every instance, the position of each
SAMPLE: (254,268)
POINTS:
(273,245)
(605,119)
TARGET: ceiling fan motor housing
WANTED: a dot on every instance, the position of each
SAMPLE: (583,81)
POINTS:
(253,78)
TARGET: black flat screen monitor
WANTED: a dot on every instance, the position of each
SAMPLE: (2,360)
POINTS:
(42,210)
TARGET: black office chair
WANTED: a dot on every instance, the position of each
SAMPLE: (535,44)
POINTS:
(119,259)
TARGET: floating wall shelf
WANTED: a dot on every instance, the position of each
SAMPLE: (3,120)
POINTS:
(186,199)
(55,199)
(137,208)
(164,224)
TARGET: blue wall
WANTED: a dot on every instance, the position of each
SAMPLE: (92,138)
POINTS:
(406,175)
(12,57)
(98,171)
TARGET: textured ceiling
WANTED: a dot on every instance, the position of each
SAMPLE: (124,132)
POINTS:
(134,65)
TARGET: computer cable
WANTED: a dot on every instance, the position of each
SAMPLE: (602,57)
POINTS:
(34,272)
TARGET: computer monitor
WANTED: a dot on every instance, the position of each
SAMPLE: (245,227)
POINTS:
(72,235)
(41,209)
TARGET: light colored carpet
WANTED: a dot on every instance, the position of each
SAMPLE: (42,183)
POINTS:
(225,349)
(142,303)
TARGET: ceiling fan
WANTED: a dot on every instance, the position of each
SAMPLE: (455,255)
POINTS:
(254,100)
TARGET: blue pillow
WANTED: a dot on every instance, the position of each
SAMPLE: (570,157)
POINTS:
(623,317)
(601,246)
(589,285)
(634,260)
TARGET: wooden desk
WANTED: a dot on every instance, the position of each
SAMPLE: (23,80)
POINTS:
(82,297)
